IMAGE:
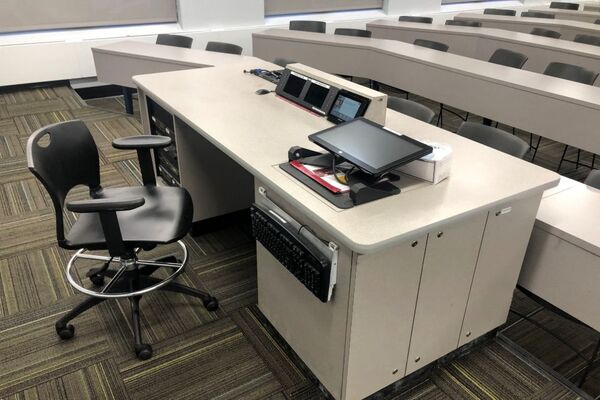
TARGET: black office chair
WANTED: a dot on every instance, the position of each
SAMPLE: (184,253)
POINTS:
(412,18)
(494,138)
(174,40)
(352,32)
(430,44)
(508,58)
(572,73)
(537,14)
(587,39)
(124,221)
(597,22)
(458,22)
(500,11)
(593,179)
(545,32)
(411,108)
(283,62)
(564,6)
(221,47)
(308,26)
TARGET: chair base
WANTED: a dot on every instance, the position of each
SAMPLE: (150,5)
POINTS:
(132,280)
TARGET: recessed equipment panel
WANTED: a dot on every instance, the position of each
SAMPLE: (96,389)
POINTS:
(307,92)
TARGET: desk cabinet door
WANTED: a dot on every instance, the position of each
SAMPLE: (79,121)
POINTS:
(450,259)
(503,248)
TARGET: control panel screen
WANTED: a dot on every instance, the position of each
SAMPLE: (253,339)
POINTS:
(347,106)
(294,85)
(316,94)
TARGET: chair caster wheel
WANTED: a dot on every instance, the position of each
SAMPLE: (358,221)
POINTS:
(65,332)
(211,304)
(143,351)
(97,280)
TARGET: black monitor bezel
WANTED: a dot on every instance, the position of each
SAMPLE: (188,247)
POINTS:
(364,104)
(425,149)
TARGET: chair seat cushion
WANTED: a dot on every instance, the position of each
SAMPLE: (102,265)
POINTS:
(165,217)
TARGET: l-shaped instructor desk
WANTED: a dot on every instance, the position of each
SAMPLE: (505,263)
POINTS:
(561,110)
(419,274)
(568,29)
(571,15)
(480,43)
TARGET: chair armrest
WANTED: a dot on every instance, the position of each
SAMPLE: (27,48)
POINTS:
(106,205)
(141,142)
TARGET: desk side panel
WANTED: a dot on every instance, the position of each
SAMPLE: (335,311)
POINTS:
(564,275)
(316,331)
(382,311)
(500,259)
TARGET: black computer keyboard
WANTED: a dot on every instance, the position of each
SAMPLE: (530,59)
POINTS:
(296,254)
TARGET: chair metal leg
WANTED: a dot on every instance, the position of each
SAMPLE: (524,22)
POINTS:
(128,100)
(143,351)
(440,120)
(211,303)
(537,146)
(66,330)
(562,158)
(578,158)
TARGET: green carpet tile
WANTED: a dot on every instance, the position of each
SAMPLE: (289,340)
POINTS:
(228,354)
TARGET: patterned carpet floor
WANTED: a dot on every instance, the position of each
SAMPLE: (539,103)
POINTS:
(228,354)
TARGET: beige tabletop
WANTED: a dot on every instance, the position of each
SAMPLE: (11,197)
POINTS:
(257,131)
(169,54)
(573,214)
(501,35)
(567,28)
(571,15)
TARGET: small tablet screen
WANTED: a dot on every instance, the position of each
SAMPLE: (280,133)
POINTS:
(316,94)
(348,106)
(294,85)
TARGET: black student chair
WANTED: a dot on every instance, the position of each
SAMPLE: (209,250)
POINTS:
(500,11)
(573,73)
(411,108)
(125,222)
(593,179)
(587,39)
(508,58)
(494,138)
(459,22)
(430,44)
(597,22)
(175,40)
(546,33)
(221,47)
(308,26)
(537,14)
(283,62)
(413,18)
(564,6)
(352,32)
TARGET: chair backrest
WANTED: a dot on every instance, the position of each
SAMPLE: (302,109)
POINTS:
(500,11)
(221,47)
(411,108)
(352,32)
(494,138)
(571,72)
(587,39)
(508,58)
(431,44)
(174,40)
(593,179)
(459,22)
(545,32)
(308,26)
(62,156)
(283,62)
(413,18)
(537,14)
(597,22)
(564,6)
